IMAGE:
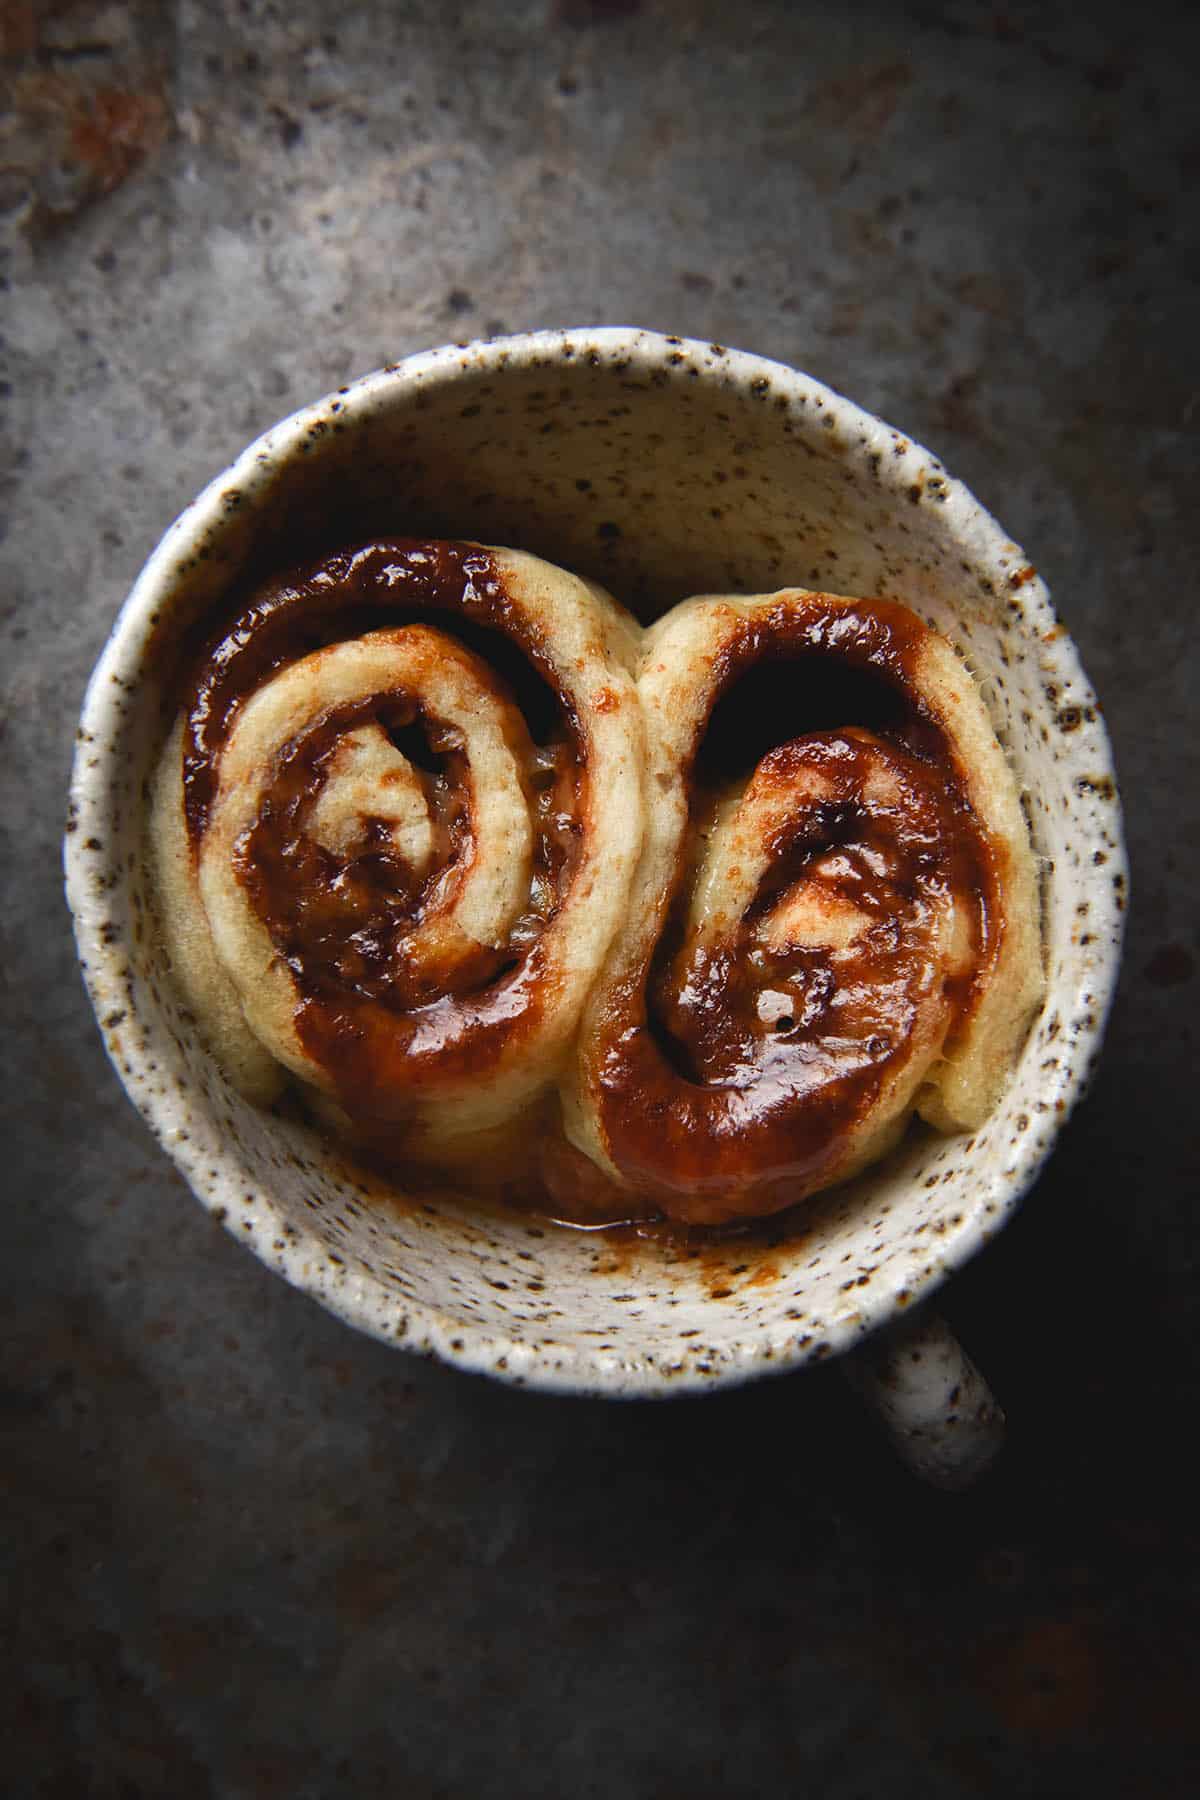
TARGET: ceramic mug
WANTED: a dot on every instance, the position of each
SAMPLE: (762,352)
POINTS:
(662,468)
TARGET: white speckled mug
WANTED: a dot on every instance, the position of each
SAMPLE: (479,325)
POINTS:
(662,468)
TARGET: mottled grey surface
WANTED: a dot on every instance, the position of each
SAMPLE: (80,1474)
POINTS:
(252,1554)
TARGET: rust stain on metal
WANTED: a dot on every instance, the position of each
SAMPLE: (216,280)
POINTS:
(1047,1681)
(86,103)
(864,100)
(114,132)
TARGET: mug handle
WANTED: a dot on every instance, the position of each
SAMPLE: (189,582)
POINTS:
(943,1420)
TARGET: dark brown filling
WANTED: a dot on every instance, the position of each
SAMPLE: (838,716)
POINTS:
(731,1074)
(713,1103)
(396,581)
(379,1024)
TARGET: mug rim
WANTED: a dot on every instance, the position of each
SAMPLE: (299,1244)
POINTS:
(97,772)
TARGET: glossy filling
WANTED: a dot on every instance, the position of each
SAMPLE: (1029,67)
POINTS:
(369,1010)
(803,944)
(832,916)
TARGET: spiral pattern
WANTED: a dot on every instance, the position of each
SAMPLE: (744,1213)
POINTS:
(442,835)
(811,954)
(396,826)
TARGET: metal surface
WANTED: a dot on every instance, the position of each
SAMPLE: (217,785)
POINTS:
(253,1555)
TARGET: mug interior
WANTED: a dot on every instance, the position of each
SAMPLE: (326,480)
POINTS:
(661,468)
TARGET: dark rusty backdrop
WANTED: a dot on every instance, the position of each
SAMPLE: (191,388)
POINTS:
(251,1555)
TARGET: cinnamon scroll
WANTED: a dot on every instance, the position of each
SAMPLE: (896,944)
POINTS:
(514,890)
(821,943)
(395,829)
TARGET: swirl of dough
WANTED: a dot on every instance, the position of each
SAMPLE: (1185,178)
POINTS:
(392,859)
(811,955)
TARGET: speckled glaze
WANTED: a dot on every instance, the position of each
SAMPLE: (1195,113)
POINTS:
(663,468)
